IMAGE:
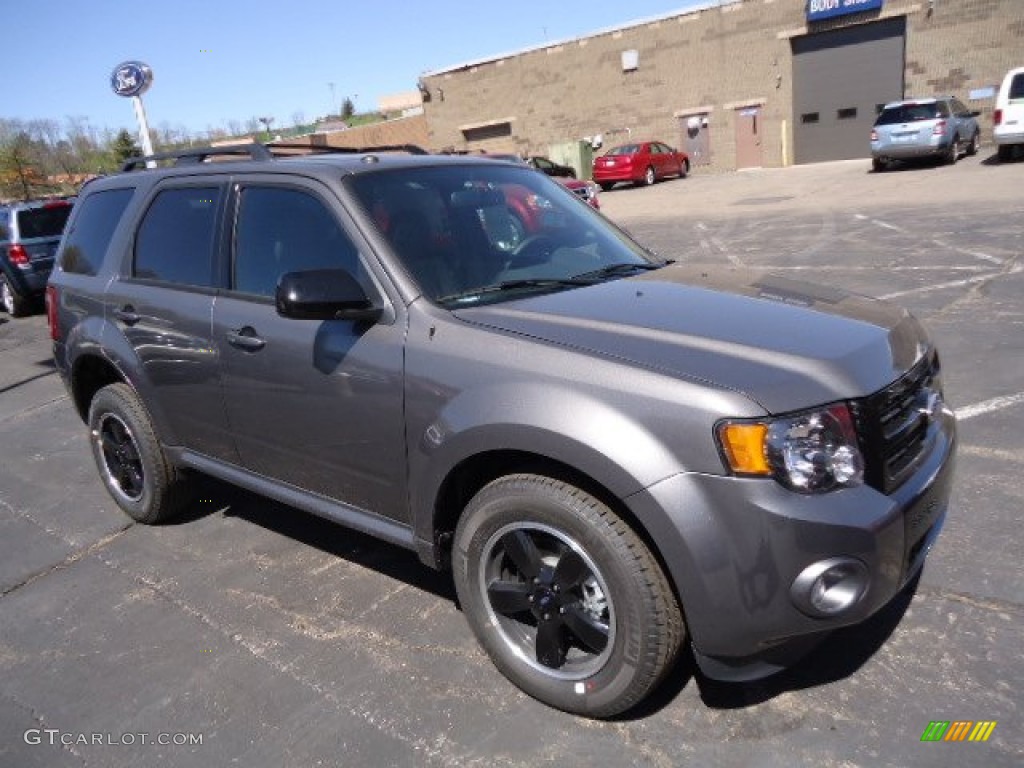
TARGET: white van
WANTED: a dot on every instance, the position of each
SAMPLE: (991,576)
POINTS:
(1008,119)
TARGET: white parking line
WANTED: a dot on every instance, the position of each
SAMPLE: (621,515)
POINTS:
(972,254)
(989,406)
(951,284)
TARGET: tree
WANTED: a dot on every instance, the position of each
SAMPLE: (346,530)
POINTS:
(347,108)
(20,167)
(124,147)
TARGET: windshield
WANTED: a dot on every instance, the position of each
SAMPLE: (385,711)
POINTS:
(46,221)
(472,234)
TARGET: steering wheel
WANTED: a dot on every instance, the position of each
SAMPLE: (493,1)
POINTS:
(533,250)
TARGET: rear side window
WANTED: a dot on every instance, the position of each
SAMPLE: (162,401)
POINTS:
(45,221)
(175,240)
(86,243)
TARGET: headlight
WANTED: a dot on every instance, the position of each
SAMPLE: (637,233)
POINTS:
(810,452)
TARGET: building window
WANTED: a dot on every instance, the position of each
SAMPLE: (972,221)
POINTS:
(809,117)
(846,113)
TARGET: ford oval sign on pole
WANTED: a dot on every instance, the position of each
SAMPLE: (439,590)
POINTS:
(131,79)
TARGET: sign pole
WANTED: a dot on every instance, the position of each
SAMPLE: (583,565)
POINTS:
(140,116)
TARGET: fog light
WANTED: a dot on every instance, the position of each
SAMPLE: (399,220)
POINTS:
(829,587)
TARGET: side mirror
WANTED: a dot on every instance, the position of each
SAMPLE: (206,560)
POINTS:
(323,294)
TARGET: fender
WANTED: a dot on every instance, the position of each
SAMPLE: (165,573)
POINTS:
(559,423)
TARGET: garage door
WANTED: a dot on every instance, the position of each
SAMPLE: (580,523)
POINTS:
(840,79)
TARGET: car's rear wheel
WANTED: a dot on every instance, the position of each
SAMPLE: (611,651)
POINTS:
(649,177)
(13,304)
(130,460)
(684,169)
(878,165)
(606,185)
(975,144)
(953,152)
(1005,153)
(566,599)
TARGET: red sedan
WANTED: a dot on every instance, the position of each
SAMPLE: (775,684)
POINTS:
(641,163)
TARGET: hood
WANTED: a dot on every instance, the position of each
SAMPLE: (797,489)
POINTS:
(783,343)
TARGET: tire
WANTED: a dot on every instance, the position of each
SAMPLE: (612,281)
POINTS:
(684,169)
(951,155)
(1005,153)
(13,304)
(649,177)
(878,165)
(130,460)
(606,185)
(528,546)
(975,145)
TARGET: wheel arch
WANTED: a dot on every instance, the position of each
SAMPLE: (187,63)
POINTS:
(474,472)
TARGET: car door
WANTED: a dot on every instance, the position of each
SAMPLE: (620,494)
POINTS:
(315,404)
(161,303)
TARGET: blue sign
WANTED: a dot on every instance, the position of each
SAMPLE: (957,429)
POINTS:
(131,78)
(817,10)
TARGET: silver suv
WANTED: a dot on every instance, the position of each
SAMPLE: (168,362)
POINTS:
(613,454)
(941,127)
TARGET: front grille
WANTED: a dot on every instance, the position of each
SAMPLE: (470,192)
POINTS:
(893,424)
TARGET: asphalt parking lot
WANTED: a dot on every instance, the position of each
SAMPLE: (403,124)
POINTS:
(280,640)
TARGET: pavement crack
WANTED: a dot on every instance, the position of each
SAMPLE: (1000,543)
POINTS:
(991,604)
(41,721)
(428,750)
(71,559)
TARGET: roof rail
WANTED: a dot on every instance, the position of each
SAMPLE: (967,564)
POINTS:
(254,151)
(195,155)
(412,149)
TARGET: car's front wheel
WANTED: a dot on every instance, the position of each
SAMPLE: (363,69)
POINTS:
(649,177)
(563,595)
(129,457)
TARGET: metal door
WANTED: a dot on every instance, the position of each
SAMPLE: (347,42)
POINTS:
(696,139)
(748,137)
(841,78)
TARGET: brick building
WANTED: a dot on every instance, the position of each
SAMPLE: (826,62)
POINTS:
(738,83)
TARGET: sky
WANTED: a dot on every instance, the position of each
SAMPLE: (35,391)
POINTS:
(221,60)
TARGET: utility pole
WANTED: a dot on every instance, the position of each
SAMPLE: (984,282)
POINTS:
(334,101)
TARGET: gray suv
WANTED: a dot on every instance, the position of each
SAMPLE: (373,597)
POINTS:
(29,234)
(613,454)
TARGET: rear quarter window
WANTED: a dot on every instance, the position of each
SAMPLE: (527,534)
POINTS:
(86,243)
(1017,87)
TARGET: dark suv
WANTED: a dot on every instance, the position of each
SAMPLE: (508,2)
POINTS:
(611,452)
(29,234)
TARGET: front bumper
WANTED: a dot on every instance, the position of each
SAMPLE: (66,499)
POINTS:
(735,547)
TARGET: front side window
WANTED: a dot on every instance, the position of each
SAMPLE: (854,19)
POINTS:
(86,243)
(470,234)
(176,238)
(281,230)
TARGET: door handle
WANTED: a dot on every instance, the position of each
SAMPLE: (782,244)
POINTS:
(127,315)
(246,338)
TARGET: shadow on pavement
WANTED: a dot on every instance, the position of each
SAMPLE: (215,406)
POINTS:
(838,656)
(332,538)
